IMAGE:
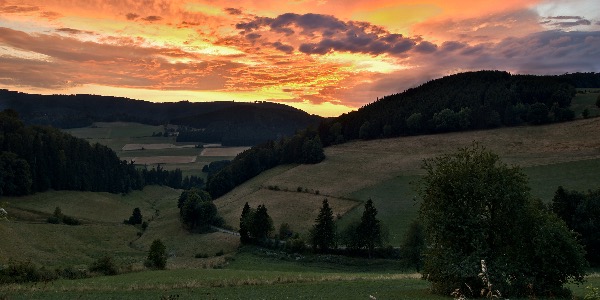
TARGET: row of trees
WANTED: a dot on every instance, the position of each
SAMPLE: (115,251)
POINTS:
(304,147)
(365,235)
(472,100)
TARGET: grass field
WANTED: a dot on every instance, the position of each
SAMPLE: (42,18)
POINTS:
(251,275)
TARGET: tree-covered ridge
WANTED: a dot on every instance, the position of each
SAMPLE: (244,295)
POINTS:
(230,123)
(464,101)
(35,159)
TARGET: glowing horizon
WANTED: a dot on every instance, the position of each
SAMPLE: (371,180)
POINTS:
(326,57)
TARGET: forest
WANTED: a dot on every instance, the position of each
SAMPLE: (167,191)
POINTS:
(464,101)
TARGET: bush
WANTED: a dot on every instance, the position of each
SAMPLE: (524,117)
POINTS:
(20,272)
(53,220)
(220,253)
(104,265)
(71,221)
(201,255)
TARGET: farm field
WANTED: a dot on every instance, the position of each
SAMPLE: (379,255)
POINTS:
(134,142)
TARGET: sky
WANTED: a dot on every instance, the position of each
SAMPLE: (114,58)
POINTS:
(326,57)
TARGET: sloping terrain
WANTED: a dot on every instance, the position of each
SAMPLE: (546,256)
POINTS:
(384,168)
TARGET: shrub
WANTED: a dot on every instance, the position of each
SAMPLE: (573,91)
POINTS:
(20,272)
(104,265)
(220,253)
(201,255)
(70,221)
(53,220)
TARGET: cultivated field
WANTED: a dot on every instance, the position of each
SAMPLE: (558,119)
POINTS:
(223,151)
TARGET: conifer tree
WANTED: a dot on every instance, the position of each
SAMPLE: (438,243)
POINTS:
(323,232)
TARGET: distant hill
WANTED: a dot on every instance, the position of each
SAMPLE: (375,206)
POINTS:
(228,122)
(464,101)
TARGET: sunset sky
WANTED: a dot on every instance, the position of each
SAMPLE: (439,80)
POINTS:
(326,57)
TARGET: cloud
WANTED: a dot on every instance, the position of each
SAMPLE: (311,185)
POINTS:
(283,48)
(566,21)
(426,47)
(322,34)
(233,11)
(73,31)
(152,18)
(15,9)
(132,16)
(122,63)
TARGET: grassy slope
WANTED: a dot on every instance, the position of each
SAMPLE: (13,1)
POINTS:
(103,231)
(559,154)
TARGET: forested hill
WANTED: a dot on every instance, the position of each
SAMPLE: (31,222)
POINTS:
(221,121)
(35,159)
(464,101)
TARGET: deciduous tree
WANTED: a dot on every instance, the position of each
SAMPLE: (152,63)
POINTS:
(475,207)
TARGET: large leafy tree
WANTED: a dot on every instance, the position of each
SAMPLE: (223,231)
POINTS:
(323,232)
(197,212)
(476,208)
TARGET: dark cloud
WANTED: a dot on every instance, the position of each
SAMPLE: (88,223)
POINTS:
(283,48)
(566,21)
(253,36)
(152,18)
(452,45)
(132,16)
(426,47)
(233,11)
(73,31)
(50,15)
(575,23)
(565,18)
(330,34)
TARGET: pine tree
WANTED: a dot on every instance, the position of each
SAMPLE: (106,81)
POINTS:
(323,232)
(262,224)
(245,220)
(369,229)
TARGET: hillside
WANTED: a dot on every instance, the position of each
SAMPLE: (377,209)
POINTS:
(463,101)
(229,122)
(565,154)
